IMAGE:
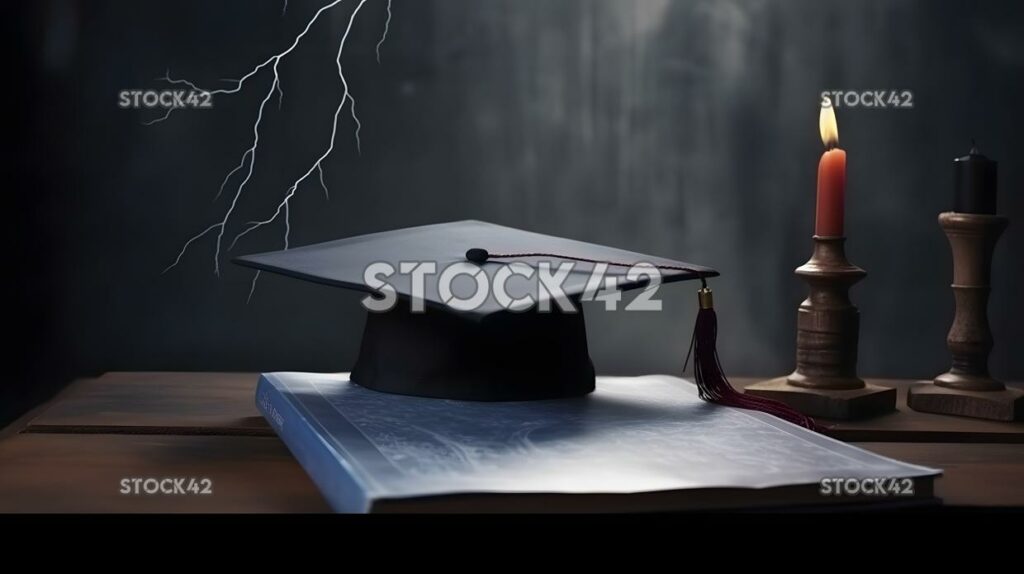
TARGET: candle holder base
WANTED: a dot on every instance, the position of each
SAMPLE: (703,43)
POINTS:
(1003,405)
(838,404)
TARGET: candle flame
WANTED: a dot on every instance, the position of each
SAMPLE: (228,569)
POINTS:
(827,124)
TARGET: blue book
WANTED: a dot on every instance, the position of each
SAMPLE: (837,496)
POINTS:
(635,444)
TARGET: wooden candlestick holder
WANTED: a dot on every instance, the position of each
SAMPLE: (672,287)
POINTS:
(968,389)
(825,383)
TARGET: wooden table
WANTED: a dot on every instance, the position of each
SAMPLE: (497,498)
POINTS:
(75,453)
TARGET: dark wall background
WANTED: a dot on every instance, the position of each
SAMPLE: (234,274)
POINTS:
(681,128)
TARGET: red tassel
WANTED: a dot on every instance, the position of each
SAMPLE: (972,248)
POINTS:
(713,386)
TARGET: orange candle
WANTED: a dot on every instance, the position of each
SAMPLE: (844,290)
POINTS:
(831,176)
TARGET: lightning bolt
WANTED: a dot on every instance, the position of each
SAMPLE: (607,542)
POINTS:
(384,36)
(346,98)
(247,162)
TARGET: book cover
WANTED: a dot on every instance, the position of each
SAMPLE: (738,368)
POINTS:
(636,443)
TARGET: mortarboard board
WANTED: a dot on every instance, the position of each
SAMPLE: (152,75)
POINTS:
(471,310)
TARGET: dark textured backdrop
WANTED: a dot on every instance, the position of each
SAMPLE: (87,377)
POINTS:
(680,128)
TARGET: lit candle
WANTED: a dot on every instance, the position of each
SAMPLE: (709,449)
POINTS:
(831,176)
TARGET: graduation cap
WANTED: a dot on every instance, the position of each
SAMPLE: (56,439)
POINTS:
(475,311)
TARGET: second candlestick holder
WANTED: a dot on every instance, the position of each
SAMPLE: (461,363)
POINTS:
(825,382)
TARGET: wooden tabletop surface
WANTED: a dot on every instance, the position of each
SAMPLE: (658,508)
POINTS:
(81,451)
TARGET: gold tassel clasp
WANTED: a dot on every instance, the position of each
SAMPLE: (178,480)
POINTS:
(704,296)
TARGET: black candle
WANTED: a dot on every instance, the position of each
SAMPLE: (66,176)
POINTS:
(974,183)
